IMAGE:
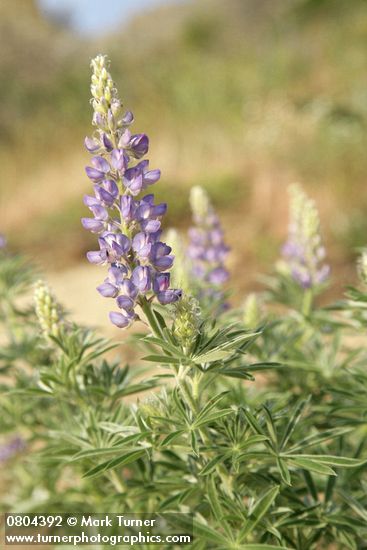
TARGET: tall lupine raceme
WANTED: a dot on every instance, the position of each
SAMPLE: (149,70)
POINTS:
(304,252)
(207,249)
(129,227)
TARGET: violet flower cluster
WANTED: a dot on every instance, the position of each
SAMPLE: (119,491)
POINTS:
(129,227)
(11,448)
(303,251)
(3,241)
(207,249)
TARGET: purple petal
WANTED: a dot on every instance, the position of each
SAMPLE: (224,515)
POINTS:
(96,257)
(100,164)
(104,195)
(141,278)
(99,212)
(107,142)
(124,302)
(93,174)
(150,226)
(152,176)
(108,290)
(120,320)
(139,145)
(161,282)
(159,209)
(90,201)
(91,144)
(128,118)
(169,296)
(129,289)
(119,159)
(125,138)
(111,187)
(91,224)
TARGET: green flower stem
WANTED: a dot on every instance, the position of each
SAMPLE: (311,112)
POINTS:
(193,405)
(307,302)
(152,321)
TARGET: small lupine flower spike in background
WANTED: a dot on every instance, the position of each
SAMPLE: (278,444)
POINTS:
(207,249)
(362,267)
(252,311)
(303,252)
(3,241)
(11,448)
(48,310)
(129,228)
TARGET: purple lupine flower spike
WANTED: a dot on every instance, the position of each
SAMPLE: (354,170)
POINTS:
(303,251)
(207,250)
(129,227)
(3,241)
(11,448)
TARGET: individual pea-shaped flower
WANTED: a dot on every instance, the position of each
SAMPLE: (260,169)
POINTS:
(129,227)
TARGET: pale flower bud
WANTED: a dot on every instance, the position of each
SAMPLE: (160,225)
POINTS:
(48,310)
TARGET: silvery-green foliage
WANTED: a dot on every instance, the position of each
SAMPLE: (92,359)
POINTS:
(253,420)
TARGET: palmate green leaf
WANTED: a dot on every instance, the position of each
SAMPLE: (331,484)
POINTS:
(259,511)
(312,466)
(211,418)
(165,359)
(211,405)
(252,440)
(330,460)
(110,450)
(264,365)
(212,497)
(271,426)
(210,356)
(206,533)
(168,347)
(129,457)
(237,372)
(283,470)
(211,465)
(293,421)
(257,428)
(316,439)
(170,438)
(354,504)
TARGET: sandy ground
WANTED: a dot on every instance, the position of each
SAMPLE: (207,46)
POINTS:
(75,288)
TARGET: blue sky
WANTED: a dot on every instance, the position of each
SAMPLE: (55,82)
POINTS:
(98,16)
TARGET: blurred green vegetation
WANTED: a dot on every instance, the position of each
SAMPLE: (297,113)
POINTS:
(241,96)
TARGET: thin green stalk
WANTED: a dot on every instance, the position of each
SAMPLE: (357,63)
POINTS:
(307,302)
(152,321)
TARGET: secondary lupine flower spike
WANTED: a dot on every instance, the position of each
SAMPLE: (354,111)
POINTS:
(11,448)
(252,311)
(129,226)
(3,241)
(303,251)
(48,310)
(207,249)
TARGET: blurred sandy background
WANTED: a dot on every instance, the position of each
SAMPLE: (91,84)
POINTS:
(240,96)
